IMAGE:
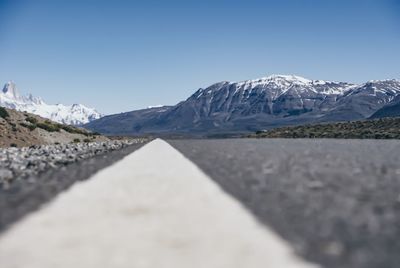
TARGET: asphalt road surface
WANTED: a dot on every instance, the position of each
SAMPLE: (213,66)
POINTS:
(336,201)
(26,195)
(154,208)
(237,203)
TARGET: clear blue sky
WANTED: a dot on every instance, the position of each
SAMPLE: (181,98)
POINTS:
(123,55)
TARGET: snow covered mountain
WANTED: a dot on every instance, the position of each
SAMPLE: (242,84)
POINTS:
(263,103)
(76,114)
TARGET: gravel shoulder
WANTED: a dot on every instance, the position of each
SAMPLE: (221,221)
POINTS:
(33,175)
(336,201)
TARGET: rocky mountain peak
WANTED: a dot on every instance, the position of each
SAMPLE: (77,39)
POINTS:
(75,114)
(10,90)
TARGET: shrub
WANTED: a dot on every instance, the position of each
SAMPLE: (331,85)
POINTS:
(13,145)
(3,113)
(31,120)
(388,128)
(28,126)
(67,128)
(48,126)
(74,130)
(32,127)
(76,140)
(86,140)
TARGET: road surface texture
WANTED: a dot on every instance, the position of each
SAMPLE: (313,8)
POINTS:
(152,209)
(336,201)
(215,204)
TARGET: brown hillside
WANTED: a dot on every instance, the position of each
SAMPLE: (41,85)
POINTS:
(22,129)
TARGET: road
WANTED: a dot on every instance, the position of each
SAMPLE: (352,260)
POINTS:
(223,203)
(336,201)
(27,195)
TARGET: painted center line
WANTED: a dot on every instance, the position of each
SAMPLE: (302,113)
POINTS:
(154,208)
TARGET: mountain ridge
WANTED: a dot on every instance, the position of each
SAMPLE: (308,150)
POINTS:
(75,114)
(250,105)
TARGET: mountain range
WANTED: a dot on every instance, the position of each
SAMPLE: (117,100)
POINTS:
(276,100)
(75,114)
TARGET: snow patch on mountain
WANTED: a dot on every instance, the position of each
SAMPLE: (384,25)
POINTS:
(155,106)
(286,82)
(278,84)
(278,79)
(76,114)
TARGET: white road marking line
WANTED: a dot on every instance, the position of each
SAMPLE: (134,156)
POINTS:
(154,208)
